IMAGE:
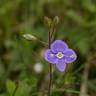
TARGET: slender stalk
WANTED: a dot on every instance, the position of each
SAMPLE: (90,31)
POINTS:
(52,34)
(50,66)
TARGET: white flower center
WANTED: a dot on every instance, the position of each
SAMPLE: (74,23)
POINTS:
(59,55)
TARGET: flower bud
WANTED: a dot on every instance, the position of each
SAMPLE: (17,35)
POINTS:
(56,20)
(48,21)
(29,37)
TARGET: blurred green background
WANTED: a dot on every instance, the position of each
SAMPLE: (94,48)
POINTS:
(23,71)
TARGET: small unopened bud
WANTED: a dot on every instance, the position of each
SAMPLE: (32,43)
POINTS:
(29,37)
(56,20)
(48,21)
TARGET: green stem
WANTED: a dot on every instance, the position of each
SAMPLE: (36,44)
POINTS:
(52,34)
(50,67)
(51,38)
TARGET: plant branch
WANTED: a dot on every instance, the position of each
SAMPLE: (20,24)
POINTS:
(52,34)
(50,66)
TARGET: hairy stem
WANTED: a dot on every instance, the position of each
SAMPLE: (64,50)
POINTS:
(50,66)
(53,34)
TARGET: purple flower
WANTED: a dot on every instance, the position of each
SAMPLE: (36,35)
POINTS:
(60,54)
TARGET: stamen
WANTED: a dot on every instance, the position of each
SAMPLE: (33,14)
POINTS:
(59,55)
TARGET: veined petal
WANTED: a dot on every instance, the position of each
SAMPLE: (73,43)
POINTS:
(50,57)
(59,46)
(61,66)
(70,56)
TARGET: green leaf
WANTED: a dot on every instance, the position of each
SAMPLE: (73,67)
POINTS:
(75,16)
(89,5)
(2,94)
(11,86)
(23,89)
